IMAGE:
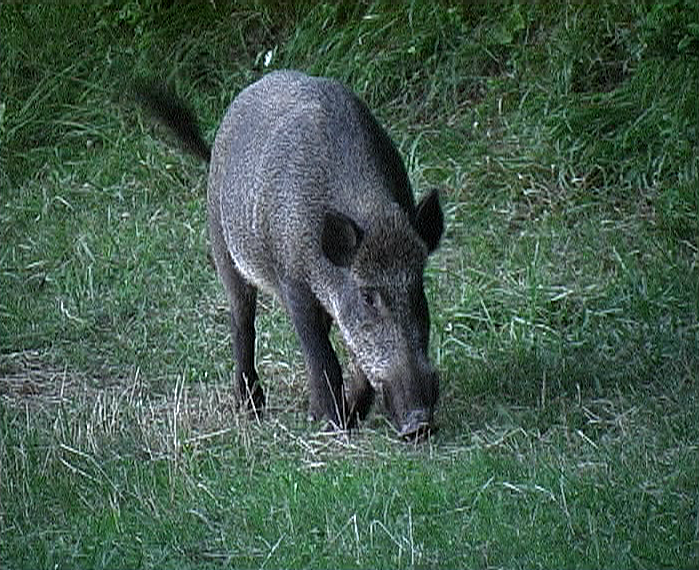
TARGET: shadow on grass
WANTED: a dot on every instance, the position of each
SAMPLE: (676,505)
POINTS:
(539,388)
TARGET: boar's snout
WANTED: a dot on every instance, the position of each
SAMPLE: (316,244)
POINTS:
(410,402)
(417,424)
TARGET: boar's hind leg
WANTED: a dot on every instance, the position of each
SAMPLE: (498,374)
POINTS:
(243,303)
(312,324)
(242,297)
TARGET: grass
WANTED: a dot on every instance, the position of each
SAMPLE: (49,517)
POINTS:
(564,297)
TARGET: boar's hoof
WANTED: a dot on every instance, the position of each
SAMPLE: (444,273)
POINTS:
(359,402)
(328,425)
(254,401)
(324,424)
(416,426)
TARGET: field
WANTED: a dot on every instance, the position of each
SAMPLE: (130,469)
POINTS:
(564,138)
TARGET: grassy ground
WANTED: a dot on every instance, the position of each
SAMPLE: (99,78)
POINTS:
(564,297)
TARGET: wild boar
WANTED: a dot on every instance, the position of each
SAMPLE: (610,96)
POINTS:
(309,199)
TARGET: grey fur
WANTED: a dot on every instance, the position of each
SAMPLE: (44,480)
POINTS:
(309,199)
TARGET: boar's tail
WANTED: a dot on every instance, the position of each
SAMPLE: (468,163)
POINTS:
(174,114)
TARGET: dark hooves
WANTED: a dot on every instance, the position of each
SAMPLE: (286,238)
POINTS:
(254,401)
(332,425)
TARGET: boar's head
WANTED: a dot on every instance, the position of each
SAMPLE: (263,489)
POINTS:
(381,309)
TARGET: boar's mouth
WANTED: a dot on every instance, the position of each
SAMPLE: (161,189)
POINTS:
(413,418)
(416,426)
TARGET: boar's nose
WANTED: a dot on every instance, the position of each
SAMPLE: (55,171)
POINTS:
(416,424)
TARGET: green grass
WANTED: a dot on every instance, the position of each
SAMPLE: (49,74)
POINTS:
(564,297)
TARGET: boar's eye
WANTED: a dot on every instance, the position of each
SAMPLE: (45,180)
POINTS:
(372,300)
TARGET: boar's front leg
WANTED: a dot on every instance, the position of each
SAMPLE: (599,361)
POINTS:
(360,394)
(312,324)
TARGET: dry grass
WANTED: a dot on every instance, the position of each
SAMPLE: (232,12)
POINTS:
(587,475)
(85,414)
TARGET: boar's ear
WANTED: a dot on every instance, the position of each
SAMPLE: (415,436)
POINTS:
(340,239)
(429,220)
